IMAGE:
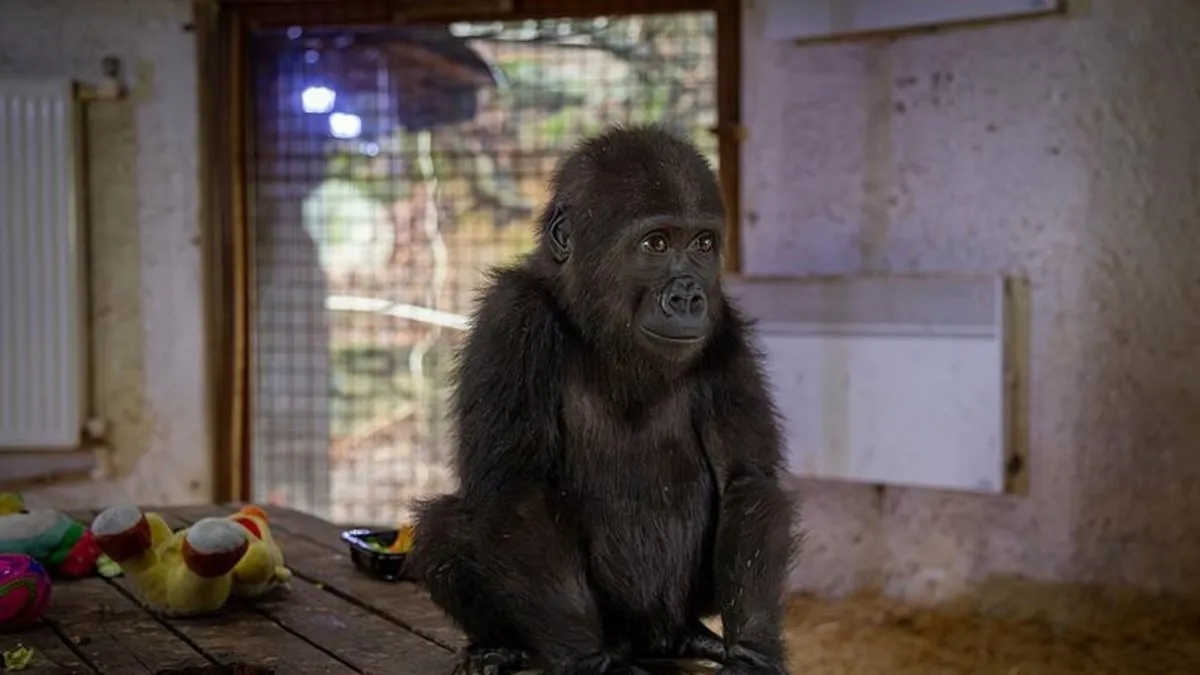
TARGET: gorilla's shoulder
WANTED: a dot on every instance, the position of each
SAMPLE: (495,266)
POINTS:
(733,347)
(515,291)
(517,309)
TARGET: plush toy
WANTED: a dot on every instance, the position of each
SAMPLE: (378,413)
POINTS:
(263,554)
(63,545)
(24,591)
(195,570)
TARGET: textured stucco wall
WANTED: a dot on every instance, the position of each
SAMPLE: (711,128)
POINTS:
(146,278)
(1062,150)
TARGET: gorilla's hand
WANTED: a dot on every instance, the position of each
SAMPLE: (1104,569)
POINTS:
(746,660)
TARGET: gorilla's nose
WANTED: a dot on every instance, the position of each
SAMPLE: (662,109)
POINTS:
(683,298)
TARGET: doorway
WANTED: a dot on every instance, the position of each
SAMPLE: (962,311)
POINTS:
(391,167)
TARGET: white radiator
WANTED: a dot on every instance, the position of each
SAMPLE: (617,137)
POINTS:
(893,380)
(42,319)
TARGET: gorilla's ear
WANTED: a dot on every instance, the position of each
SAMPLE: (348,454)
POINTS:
(556,234)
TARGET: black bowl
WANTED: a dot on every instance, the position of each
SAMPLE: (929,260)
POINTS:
(377,563)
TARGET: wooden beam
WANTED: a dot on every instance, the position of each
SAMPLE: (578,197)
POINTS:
(221,38)
(730,131)
(280,13)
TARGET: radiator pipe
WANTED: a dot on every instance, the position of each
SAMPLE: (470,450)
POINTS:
(109,88)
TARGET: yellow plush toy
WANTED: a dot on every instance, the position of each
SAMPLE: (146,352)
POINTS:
(195,570)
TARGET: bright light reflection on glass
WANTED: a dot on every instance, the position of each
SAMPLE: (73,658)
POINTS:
(317,99)
(345,125)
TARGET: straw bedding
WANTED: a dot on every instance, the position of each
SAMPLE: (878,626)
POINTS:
(874,636)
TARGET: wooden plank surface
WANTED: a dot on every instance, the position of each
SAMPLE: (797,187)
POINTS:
(51,654)
(365,640)
(322,556)
(114,634)
(236,635)
(314,551)
(94,627)
(330,620)
(239,634)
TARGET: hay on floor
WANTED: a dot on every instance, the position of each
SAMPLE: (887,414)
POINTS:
(875,636)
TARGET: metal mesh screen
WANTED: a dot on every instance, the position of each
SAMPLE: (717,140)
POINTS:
(390,169)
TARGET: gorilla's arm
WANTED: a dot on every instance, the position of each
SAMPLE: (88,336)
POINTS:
(494,555)
(754,542)
(506,404)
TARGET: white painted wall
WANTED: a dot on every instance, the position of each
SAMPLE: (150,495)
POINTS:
(1059,150)
(147,308)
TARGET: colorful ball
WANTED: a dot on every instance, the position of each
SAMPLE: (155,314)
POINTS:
(24,590)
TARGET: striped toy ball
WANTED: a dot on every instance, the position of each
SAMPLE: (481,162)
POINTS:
(24,590)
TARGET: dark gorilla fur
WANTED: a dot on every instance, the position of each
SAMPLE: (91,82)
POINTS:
(615,486)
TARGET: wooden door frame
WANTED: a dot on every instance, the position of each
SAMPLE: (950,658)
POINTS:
(223,31)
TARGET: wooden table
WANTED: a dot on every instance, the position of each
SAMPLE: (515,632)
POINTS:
(332,620)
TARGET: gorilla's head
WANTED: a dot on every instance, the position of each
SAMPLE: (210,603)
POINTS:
(634,232)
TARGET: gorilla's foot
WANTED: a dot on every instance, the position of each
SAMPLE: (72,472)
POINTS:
(745,660)
(701,644)
(479,660)
(596,664)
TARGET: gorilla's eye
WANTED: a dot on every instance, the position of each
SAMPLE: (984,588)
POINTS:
(705,242)
(655,243)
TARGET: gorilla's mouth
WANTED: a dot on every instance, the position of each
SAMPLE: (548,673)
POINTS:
(686,339)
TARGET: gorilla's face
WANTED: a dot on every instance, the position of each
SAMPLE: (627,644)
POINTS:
(652,285)
(674,272)
(636,226)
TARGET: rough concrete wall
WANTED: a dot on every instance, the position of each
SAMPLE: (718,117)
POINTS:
(145,247)
(1061,150)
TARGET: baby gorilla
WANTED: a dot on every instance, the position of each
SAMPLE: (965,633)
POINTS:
(618,454)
